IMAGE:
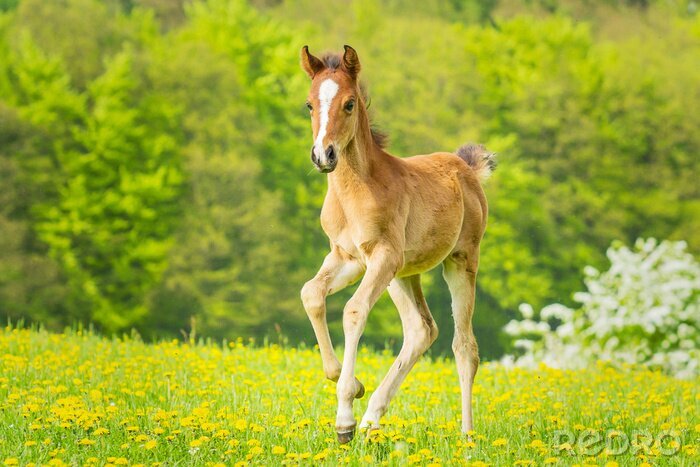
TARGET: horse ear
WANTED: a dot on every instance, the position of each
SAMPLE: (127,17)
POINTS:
(309,63)
(351,63)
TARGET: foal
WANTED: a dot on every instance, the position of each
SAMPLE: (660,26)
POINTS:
(388,220)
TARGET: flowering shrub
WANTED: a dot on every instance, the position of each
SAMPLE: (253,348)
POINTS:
(645,309)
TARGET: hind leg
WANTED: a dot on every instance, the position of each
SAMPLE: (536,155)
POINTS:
(419,331)
(459,271)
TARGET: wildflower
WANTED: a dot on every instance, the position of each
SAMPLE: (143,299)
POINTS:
(150,444)
(278,450)
(256,450)
(536,443)
(500,442)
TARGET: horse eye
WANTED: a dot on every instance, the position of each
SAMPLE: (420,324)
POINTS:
(309,106)
(349,106)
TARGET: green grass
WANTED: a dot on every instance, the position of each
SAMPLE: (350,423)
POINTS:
(81,399)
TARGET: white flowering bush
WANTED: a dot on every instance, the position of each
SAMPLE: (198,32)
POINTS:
(645,310)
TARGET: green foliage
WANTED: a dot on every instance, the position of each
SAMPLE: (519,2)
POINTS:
(112,224)
(155,168)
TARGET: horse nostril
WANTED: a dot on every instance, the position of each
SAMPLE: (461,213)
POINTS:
(313,156)
(330,154)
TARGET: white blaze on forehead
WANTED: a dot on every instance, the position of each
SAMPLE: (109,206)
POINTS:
(326,93)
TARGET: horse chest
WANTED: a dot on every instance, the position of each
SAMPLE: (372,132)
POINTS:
(351,227)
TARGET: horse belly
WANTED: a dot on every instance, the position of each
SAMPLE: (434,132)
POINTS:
(429,242)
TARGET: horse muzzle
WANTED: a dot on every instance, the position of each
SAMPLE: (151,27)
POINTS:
(328,160)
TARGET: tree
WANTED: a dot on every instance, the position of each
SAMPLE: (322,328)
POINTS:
(111,228)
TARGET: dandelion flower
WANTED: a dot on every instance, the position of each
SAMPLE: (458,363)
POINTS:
(500,442)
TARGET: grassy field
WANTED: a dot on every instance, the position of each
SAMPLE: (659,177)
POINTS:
(80,399)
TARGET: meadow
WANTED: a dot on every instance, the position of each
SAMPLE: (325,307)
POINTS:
(80,399)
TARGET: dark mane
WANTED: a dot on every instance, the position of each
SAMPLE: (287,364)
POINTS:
(332,61)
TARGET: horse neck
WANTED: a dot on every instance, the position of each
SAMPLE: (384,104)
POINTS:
(360,158)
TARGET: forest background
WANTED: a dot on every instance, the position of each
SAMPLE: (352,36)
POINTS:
(154,169)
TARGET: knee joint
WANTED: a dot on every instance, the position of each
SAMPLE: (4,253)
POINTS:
(354,315)
(464,346)
(313,298)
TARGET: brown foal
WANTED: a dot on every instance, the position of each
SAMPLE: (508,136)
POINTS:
(389,219)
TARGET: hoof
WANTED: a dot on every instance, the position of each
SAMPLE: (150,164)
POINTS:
(361,391)
(346,436)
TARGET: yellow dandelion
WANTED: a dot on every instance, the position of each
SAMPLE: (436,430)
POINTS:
(150,444)
(413,459)
(278,450)
(86,442)
(500,442)
(536,443)
(256,450)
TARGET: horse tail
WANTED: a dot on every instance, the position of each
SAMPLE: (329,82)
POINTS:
(479,158)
